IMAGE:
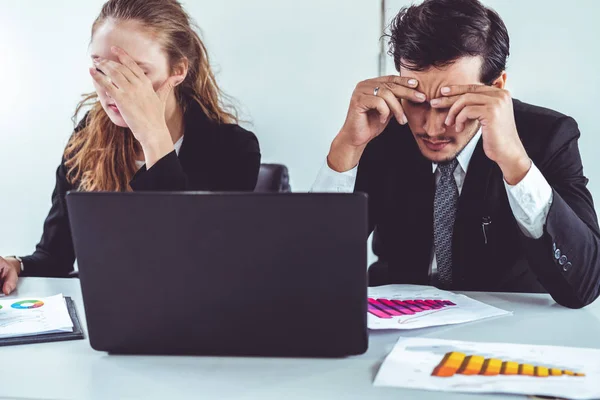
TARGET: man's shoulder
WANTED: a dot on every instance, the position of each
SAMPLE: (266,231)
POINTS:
(526,113)
(536,120)
(539,127)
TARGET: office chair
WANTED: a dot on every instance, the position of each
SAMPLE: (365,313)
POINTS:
(273,178)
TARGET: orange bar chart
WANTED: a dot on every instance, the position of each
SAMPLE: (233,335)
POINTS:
(460,363)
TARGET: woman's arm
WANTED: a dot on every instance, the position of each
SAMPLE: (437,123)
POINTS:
(54,255)
(233,159)
(166,175)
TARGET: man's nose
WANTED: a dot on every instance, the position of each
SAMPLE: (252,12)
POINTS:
(435,122)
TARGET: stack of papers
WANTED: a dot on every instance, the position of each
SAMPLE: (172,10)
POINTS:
(472,367)
(415,306)
(34,316)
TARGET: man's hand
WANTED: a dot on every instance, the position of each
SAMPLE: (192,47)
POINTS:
(374,102)
(493,108)
(9,274)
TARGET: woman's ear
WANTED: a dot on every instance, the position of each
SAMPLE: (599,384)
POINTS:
(500,82)
(181,69)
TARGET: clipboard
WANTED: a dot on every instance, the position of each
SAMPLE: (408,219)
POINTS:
(77,333)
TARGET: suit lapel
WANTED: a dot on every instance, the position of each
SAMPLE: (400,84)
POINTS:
(472,207)
(411,203)
(194,153)
(476,179)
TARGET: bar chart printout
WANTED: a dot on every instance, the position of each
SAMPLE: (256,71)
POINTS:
(415,306)
(477,367)
(389,308)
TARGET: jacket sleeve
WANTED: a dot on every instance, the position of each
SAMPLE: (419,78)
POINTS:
(54,255)
(565,259)
(234,160)
(166,174)
(370,180)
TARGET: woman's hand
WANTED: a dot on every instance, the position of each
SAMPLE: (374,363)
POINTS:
(9,274)
(142,108)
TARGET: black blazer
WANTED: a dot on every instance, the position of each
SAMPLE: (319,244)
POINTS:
(213,157)
(401,185)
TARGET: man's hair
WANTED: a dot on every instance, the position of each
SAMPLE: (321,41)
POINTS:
(436,33)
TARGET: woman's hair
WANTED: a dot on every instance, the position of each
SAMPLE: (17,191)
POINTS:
(101,155)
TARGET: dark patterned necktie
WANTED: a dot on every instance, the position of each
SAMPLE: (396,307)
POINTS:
(444,213)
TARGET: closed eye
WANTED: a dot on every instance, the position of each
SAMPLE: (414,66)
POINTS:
(415,104)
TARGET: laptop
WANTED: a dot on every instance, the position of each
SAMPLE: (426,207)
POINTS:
(236,274)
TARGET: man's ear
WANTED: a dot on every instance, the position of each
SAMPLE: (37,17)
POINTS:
(500,82)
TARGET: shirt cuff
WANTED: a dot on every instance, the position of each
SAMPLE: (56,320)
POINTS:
(530,201)
(329,180)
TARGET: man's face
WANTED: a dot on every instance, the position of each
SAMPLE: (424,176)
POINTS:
(437,141)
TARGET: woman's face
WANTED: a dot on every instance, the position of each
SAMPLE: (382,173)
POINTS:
(140,45)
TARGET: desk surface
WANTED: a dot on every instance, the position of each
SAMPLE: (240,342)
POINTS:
(73,370)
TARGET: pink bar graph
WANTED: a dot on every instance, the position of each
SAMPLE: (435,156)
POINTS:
(389,308)
(376,311)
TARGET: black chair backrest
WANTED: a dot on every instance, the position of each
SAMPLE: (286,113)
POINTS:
(273,178)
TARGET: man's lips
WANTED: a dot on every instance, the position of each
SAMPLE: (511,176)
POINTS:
(436,145)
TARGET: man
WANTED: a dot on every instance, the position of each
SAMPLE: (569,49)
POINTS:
(468,188)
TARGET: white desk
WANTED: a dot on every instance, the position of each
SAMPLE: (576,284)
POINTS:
(72,370)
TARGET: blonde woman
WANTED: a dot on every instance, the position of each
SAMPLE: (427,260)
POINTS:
(156,123)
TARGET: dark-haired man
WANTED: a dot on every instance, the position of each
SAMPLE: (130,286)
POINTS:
(468,188)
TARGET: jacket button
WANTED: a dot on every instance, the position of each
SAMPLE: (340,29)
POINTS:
(562,260)
(567,266)
(553,246)
(557,253)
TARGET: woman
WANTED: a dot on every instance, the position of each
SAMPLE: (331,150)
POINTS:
(156,123)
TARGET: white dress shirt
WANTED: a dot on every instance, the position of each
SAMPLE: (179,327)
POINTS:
(529,199)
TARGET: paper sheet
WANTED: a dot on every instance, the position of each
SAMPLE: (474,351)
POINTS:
(472,367)
(33,316)
(415,306)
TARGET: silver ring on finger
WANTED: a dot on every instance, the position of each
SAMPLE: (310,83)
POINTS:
(375,91)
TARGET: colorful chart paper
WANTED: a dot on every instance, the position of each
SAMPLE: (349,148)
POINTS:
(460,363)
(27,304)
(476,367)
(389,308)
(415,306)
(24,317)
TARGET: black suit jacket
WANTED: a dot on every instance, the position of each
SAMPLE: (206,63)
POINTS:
(400,185)
(213,157)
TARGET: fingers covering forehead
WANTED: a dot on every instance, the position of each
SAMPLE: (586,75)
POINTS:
(397,80)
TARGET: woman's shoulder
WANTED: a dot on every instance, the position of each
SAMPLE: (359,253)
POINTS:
(74,144)
(234,136)
(79,127)
(82,123)
(77,132)
(218,137)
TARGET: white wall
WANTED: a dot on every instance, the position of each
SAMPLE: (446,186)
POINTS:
(43,70)
(291,65)
(553,63)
